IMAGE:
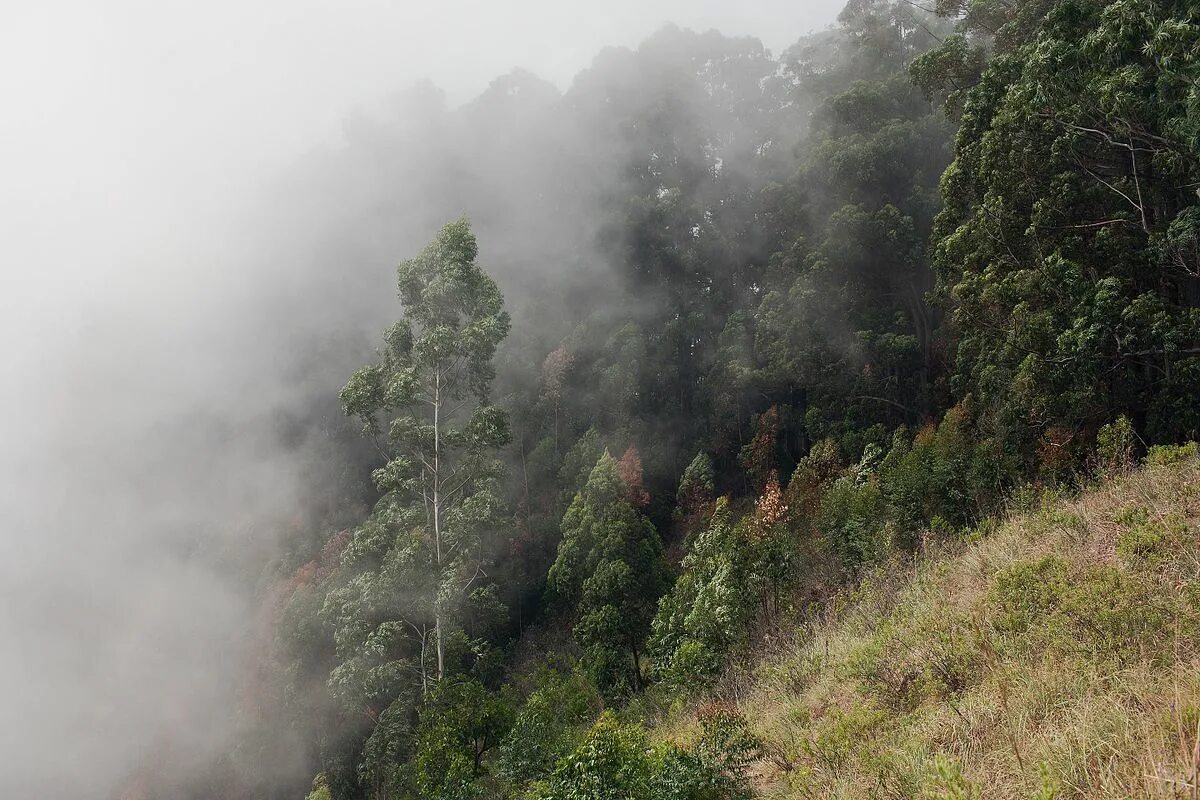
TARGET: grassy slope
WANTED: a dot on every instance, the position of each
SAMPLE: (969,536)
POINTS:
(1055,655)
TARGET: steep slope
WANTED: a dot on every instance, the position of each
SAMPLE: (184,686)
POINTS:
(1052,654)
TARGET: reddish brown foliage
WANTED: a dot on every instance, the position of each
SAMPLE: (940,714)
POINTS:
(813,475)
(926,434)
(716,710)
(770,507)
(695,507)
(1054,449)
(758,457)
(303,575)
(630,470)
(331,554)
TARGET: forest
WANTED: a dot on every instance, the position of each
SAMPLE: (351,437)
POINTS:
(776,332)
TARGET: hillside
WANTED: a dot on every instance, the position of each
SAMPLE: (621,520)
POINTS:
(1052,654)
(734,333)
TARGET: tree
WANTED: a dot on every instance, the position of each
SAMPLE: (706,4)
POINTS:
(550,724)
(630,470)
(554,374)
(619,762)
(610,569)
(1067,249)
(707,611)
(759,458)
(425,405)
(697,487)
(460,725)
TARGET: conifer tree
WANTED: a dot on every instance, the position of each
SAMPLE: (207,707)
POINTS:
(610,570)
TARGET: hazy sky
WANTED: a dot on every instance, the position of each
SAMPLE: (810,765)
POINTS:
(125,119)
(135,136)
(129,80)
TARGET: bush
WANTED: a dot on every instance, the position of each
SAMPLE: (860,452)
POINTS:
(1115,447)
(461,724)
(948,782)
(1146,542)
(727,748)
(1099,610)
(1161,455)
(852,520)
(912,658)
(549,725)
(839,735)
(320,789)
(617,762)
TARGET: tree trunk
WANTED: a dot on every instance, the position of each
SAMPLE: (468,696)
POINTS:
(439,634)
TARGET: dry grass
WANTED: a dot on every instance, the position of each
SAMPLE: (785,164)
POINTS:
(934,680)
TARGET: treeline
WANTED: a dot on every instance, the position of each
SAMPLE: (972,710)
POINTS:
(853,297)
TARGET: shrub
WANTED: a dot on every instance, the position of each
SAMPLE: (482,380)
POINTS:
(320,789)
(617,762)
(1165,454)
(948,783)
(1026,593)
(839,735)
(1099,610)
(911,659)
(549,725)
(1115,447)
(1146,542)
(727,748)
(852,520)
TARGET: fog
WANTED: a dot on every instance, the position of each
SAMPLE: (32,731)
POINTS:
(197,199)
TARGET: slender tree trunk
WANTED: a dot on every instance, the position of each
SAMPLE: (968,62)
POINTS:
(439,633)
(637,668)
(424,671)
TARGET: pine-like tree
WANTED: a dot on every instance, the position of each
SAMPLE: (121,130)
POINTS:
(610,571)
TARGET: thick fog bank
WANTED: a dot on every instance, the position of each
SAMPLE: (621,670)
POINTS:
(192,266)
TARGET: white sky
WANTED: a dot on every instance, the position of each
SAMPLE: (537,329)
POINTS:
(269,78)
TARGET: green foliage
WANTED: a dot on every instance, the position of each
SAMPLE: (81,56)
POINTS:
(1068,303)
(549,725)
(1165,454)
(461,724)
(1147,542)
(932,477)
(852,518)
(917,655)
(908,341)
(948,782)
(697,488)
(1103,610)
(1115,444)
(707,612)
(841,734)
(609,572)
(320,789)
(947,72)
(617,762)
(726,749)
(406,603)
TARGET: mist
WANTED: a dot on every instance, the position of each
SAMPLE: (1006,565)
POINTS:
(198,200)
